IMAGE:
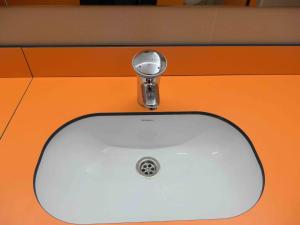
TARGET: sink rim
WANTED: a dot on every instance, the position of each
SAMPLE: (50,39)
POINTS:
(153,113)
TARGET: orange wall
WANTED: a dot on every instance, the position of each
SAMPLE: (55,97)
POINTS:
(202,60)
(102,61)
(13,63)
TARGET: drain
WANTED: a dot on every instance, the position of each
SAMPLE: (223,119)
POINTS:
(147,166)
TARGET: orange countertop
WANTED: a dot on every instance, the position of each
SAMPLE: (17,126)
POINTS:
(15,77)
(266,107)
(11,92)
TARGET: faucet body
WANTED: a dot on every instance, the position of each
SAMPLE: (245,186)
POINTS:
(148,92)
(149,66)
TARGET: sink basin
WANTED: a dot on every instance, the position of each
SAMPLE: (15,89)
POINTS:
(112,168)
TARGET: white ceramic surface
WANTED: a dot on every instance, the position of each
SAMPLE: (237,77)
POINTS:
(87,172)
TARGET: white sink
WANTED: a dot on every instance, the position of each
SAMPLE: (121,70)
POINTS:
(208,169)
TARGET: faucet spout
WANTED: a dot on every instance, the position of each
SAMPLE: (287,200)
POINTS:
(149,66)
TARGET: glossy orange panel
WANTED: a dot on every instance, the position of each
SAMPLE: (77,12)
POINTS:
(202,60)
(11,92)
(266,107)
(13,63)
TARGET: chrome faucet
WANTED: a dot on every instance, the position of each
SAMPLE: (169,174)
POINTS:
(149,66)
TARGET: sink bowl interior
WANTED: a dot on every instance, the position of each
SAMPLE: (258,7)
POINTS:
(90,169)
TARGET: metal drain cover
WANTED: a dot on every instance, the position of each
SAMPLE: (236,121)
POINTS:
(147,166)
